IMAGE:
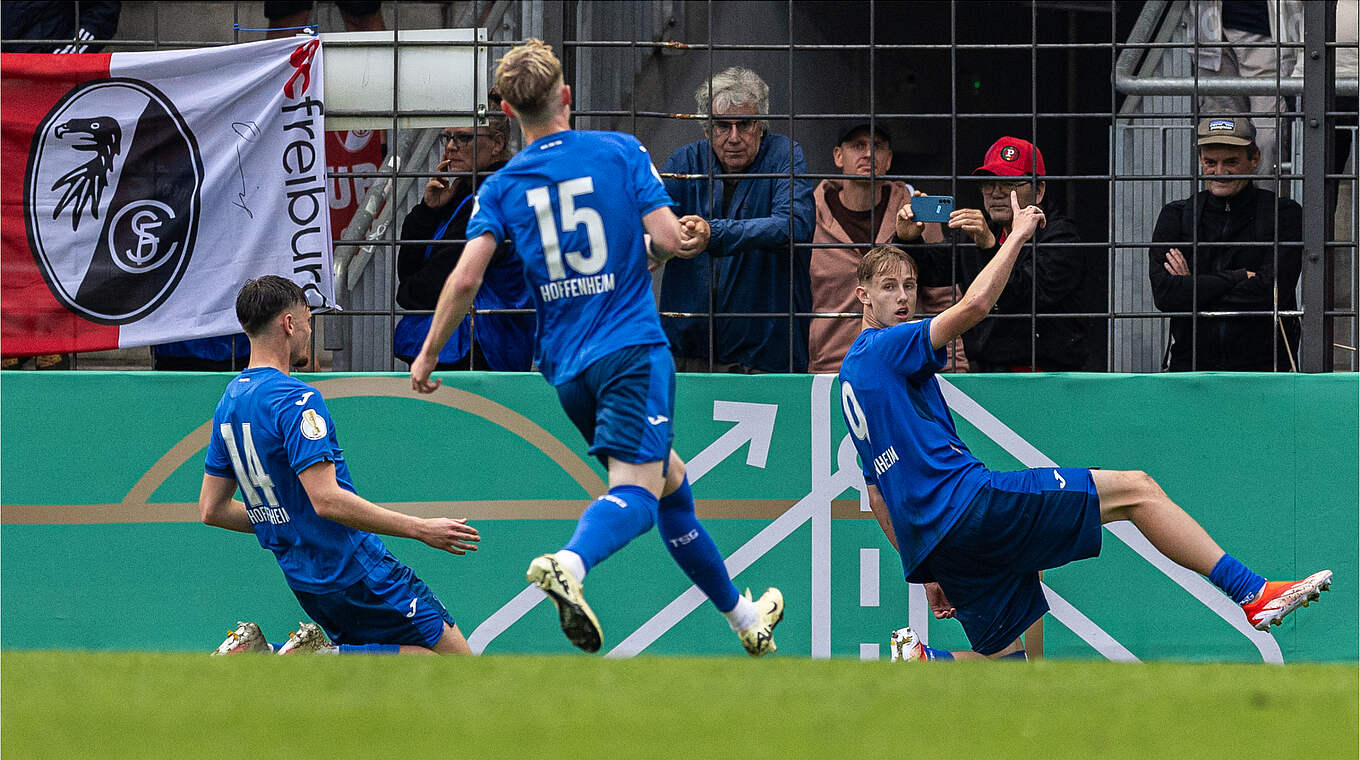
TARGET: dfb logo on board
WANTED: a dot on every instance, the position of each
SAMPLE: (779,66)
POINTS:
(112,194)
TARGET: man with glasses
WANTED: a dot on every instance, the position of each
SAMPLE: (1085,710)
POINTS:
(503,342)
(1046,279)
(750,224)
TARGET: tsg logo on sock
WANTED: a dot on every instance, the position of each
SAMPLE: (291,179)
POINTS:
(115,174)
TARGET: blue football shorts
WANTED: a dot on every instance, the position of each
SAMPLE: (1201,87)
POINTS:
(1022,522)
(390,605)
(623,404)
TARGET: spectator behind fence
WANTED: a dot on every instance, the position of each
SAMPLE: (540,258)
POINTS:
(221,353)
(1046,279)
(1225,275)
(748,249)
(285,17)
(1249,21)
(858,210)
(499,341)
(59,21)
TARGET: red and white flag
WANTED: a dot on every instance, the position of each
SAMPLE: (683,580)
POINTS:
(358,150)
(141,190)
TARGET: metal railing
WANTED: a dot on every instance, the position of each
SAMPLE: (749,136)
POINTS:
(634,67)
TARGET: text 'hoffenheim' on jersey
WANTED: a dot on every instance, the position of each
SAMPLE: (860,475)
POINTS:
(573,203)
(905,436)
(267,428)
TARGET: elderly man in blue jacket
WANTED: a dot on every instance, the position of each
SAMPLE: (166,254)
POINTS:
(748,262)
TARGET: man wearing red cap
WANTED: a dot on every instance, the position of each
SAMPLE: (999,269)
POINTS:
(1050,276)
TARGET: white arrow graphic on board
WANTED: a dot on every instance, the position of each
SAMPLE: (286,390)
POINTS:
(755,425)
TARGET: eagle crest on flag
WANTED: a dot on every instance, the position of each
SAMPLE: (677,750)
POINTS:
(86,183)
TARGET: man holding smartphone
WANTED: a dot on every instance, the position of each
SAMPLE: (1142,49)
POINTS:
(860,208)
(1050,276)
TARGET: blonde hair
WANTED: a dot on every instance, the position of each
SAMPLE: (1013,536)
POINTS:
(529,77)
(881,259)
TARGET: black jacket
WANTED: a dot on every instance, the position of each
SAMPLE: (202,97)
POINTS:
(1219,281)
(1059,284)
(420,278)
(57,21)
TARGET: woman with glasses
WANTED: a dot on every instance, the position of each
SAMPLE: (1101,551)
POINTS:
(468,155)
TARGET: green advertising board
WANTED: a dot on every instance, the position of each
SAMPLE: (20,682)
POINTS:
(102,549)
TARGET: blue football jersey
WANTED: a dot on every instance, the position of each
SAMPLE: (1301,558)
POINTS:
(267,428)
(573,203)
(905,436)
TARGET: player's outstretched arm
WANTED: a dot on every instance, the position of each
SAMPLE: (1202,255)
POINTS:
(664,230)
(218,509)
(987,286)
(455,301)
(348,508)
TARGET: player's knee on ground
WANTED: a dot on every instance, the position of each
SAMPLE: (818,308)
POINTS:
(451,642)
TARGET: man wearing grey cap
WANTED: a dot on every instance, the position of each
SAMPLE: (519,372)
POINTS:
(1215,252)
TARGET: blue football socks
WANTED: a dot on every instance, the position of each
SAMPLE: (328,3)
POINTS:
(610,522)
(1235,579)
(936,654)
(369,648)
(693,549)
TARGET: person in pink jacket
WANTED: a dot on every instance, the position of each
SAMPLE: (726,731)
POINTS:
(853,214)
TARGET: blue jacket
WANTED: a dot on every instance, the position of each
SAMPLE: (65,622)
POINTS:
(505,340)
(749,255)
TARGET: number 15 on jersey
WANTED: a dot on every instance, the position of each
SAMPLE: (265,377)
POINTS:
(573,215)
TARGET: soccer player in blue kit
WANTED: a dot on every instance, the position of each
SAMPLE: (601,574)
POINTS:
(978,538)
(273,437)
(577,205)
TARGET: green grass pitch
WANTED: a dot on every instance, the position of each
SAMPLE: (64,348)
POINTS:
(144,705)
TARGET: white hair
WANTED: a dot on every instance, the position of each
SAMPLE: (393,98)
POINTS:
(734,87)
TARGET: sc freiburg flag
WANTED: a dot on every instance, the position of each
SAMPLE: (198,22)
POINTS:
(141,190)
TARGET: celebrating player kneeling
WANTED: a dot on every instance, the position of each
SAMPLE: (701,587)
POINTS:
(273,437)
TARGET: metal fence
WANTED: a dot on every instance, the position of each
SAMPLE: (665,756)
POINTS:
(1108,90)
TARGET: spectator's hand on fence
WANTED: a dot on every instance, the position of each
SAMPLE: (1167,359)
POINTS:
(1175,262)
(694,234)
(974,224)
(452,536)
(439,190)
(939,603)
(908,228)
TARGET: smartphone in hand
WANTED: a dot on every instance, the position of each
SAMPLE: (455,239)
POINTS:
(932,208)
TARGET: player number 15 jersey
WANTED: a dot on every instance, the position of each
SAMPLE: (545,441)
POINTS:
(573,203)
